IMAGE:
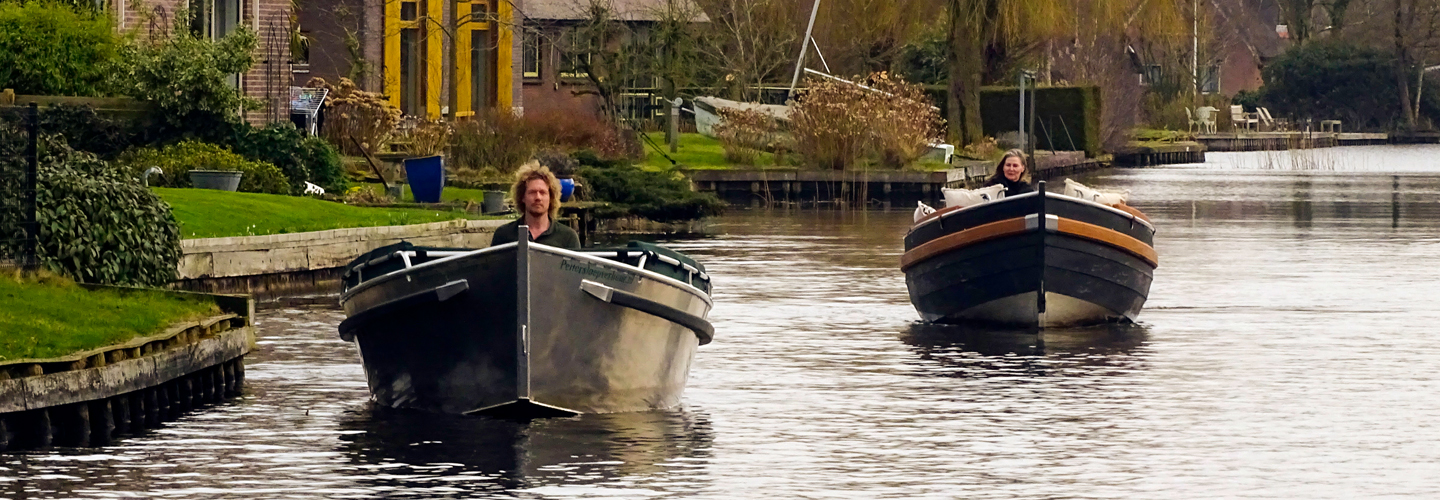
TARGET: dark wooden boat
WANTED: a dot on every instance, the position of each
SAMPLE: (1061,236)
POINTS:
(992,263)
(526,330)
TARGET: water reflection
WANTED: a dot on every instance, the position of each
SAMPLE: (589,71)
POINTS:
(988,351)
(416,449)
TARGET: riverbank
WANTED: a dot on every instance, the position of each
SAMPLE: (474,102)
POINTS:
(208,213)
(882,188)
(1280,141)
(84,363)
(50,316)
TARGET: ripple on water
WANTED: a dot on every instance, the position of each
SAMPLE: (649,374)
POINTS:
(1286,352)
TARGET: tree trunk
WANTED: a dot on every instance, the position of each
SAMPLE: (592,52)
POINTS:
(1402,65)
(967,64)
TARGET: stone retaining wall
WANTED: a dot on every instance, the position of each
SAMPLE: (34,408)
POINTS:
(307,263)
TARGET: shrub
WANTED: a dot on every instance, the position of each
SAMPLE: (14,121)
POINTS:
(52,49)
(86,130)
(496,139)
(576,131)
(903,123)
(658,196)
(300,158)
(559,163)
(351,112)
(96,226)
(186,79)
(830,124)
(428,138)
(1328,80)
(836,123)
(179,159)
(744,134)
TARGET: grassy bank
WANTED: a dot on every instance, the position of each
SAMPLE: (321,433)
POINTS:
(207,213)
(50,317)
(696,152)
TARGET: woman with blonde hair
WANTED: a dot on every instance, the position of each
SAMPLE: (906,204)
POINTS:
(1013,173)
(536,195)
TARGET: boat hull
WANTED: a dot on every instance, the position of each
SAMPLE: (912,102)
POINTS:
(1092,265)
(523,338)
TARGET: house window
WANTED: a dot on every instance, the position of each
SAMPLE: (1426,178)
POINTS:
(412,74)
(1152,74)
(480,13)
(481,89)
(213,19)
(1210,80)
(531,63)
(574,55)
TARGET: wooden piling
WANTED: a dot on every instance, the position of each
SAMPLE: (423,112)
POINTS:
(120,413)
(102,422)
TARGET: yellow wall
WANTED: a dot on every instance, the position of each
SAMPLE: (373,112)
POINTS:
(435,57)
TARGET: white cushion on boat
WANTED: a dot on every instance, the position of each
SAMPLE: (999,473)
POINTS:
(971,197)
(923,210)
(1102,197)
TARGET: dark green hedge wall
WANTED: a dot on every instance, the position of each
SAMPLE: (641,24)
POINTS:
(1060,109)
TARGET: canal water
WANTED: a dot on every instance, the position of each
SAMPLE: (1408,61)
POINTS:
(1289,350)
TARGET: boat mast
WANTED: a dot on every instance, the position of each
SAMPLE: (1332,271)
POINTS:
(804,46)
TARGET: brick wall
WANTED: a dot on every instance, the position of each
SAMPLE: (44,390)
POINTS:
(270,79)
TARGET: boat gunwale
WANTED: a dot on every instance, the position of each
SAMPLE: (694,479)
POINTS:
(1004,228)
(942,213)
(536,246)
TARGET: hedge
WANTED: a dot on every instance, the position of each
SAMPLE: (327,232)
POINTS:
(96,226)
(1075,110)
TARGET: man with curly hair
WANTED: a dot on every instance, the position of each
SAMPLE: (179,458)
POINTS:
(536,195)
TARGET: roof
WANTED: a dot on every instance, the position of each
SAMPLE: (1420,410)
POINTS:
(628,10)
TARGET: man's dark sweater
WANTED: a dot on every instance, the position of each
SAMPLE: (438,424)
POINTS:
(558,235)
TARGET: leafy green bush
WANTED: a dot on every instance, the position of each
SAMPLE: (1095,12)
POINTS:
(186,79)
(1328,80)
(300,158)
(658,196)
(179,159)
(88,131)
(52,49)
(96,225)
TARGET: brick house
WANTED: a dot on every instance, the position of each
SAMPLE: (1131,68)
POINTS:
(553,85)
(1247,39)
(268,81)
(401,48)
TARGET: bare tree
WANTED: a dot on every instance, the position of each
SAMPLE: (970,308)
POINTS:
(751,42)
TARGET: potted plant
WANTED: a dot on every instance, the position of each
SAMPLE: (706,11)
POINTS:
(426,170)
(224,180)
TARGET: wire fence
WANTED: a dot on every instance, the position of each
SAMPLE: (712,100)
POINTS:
(19,162)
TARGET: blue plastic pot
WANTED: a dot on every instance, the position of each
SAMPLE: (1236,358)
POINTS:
(427,178)
(567,188)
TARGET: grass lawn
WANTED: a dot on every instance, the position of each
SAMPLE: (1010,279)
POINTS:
(50,317)
(449,194)
(207,213)
(695,151)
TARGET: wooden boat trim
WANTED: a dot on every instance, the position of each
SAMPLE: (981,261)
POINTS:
(1019,225)
(983,232)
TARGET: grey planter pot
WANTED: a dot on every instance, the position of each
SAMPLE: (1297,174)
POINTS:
(224,180)
(494,202)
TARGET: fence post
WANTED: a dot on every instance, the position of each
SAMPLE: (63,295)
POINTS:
(32,165)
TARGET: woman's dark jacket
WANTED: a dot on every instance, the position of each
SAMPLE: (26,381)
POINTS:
(1012,188)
